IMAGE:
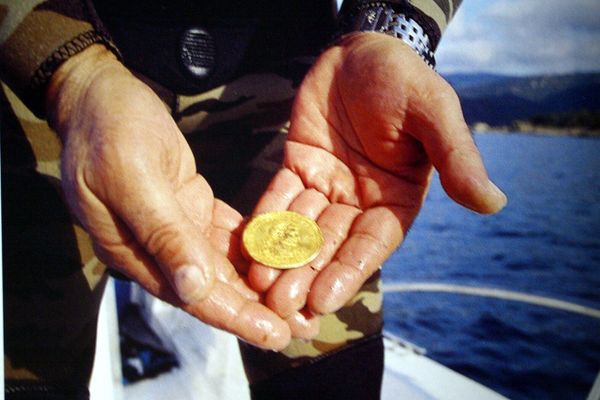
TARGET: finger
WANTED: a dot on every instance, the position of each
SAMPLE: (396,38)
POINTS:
(374,235)
(229,244)
(284,188)
(303,324)
(224,307)
(252,322)
(223,225)
(261,277)
(225,216)
(225,237)
(309,203)
(127,256)
(159,223)
(326,172)
(222,242)
(289,293)
(198,204)
(280,193)
(437,121)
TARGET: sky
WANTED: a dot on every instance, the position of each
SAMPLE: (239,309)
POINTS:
(522,37)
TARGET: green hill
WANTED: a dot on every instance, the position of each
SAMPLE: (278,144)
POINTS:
(558,100)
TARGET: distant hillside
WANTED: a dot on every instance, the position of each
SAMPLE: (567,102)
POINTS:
(501,100)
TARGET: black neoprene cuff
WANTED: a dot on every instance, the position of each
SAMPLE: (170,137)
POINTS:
(353,373)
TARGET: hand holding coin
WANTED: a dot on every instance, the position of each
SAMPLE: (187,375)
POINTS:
(369,123)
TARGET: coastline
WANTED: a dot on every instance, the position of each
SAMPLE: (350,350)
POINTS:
(529,128)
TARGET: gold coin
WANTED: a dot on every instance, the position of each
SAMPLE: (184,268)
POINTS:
(282,239)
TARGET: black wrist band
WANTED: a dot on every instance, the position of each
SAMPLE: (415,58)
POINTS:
(385,18)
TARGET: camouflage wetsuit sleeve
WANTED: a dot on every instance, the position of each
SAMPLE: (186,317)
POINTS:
(36,36)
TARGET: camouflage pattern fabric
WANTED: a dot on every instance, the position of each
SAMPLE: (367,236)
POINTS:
(250,128)
(53,280)
(441,11)
(36,36)
(360,320)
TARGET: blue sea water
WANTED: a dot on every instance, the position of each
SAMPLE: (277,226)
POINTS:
(545,242)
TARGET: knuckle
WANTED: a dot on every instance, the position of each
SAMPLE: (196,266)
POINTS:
(162,241)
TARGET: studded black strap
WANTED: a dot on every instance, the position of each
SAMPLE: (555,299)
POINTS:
(394,20)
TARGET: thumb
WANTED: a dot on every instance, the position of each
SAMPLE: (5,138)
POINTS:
(437,121)
(162,228)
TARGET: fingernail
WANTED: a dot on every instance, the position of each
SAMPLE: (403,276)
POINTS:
(501,199)
(190,283)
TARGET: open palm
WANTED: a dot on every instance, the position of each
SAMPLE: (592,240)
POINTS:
(369,122)
(130,178)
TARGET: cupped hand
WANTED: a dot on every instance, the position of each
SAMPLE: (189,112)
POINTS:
(369,123)
(130,178)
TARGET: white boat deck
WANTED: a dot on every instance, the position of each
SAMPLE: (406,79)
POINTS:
(211,367)
(410,375)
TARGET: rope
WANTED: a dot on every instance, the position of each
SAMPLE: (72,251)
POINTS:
(495,293)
